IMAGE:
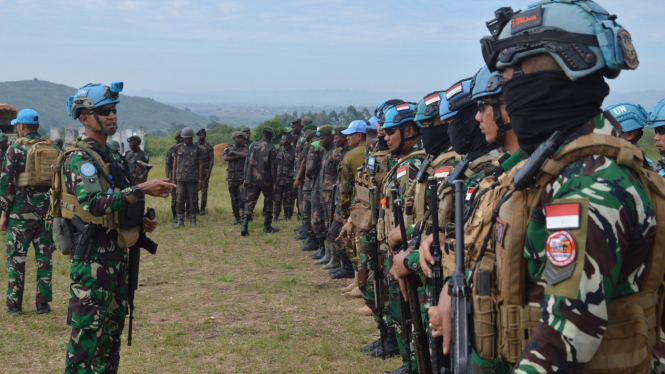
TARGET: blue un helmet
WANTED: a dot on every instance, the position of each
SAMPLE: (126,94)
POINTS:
(381,110)
(371,123)
(631,116)
(456,98)
(93,96)
(657,115)
(580,35)
(428,106)
(396,117)
(486,83)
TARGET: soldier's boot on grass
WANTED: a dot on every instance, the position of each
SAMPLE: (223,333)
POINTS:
(236,214)
(181,221)
(287,215)
(326,256)
(353,294)
(302,235)
(334,261)
(365,311)
(351,286)
(312,243)
(392,349)
(175,215)
(402,370)
(377,343)
(192,220)
(266,226)
(244,231)
(320,252)
(346,270)
(299,229)
(15,310)
(276,217)
(43,308)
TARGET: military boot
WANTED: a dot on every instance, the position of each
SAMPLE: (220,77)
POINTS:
(321,250)
(181,221)
(287,215)
(303,235)
(351,286)
(346,270)
(202,211)
(175,215)
(312,243)
(43,308)
(326,257)
(244,231)
(392,349)
(16,311)
(334,262)
(266,226)
(377,343)
(402,370)
(276,217)
(192,220)
(299,229)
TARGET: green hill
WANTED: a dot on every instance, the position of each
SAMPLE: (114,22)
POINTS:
(49,99)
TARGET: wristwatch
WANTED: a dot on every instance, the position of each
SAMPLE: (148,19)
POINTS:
(137,192)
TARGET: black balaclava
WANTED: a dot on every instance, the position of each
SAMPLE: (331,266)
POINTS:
(465,134)
(383,144)
(435,139)
(542,102)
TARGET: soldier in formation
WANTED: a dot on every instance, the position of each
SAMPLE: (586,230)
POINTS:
(285,164)
(168,171)
(208,163)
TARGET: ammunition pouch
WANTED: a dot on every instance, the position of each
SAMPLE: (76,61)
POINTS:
(361,216)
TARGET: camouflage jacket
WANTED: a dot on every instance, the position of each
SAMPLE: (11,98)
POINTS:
(259,169)
(405,174)
(300,153)
(284,162)
(347,177)
(90,195)
(307,182)
(314,157)
(23,203)
(170,158)
(329,166)
(138,172)
(208,154)
(236,169)
(615,235)
(187,163)
(660,167)
(2,156)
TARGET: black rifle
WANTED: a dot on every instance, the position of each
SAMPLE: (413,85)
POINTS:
(332,207)
(377,268)
(404,310)
(83,238)
(134,262)
(438,359)
(458,289)
(526,176)
(419,335)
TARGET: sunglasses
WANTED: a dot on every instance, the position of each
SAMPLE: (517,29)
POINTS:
(390,131)
(482,103)
(104,111)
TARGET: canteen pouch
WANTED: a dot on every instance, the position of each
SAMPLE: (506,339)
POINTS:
(131,215)
(361,216)
(63,233)
(484,311)
(128,237)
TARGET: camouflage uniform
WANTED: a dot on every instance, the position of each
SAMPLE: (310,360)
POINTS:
(98,304)
(27,211)
(187,175)
(235,174)
(284,161)
(170,158)
(208,159)
(314,159)
(259,172)
(307,194)
(301,155)
(139,173)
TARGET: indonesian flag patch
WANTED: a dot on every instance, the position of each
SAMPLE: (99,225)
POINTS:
(442,172)
(433,98)
(454,90)
(469,192)
(563,216)
(401,171)
(402,107)
(560,248)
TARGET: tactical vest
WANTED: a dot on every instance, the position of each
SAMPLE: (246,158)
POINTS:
(634,321)
(421,188)
(41,154)
(372,174)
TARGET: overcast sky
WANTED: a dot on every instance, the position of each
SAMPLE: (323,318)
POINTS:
(200,46)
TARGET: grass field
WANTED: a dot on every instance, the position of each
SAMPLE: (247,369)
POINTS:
(210,301)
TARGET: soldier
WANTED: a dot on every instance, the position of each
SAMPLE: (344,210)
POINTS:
(632,118)
(285,162)
(25,206)
(98,305)
(307,234)
(248,136)
(208,163)
(298,137)
(235,155)
(657,123)
(300,179)
(313,171)
(168,170)
(4,144)
(137,160)
(188,171)
(260,177)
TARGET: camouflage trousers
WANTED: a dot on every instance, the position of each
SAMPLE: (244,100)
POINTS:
(188,193)
(237,197)
(19,236)
(393,313)
(204,190)
(318,214)
(300,201)
(253,193)
(284,196)
(307,210)
(97,311)
(366,275)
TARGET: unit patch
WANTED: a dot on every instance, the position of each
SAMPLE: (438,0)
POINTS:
(401,172)
(442,172)
(501,228)
(469,192)
(560,248)
(563,216)
(88,169)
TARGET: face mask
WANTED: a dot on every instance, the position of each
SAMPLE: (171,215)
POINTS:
(540,103)
(435,139)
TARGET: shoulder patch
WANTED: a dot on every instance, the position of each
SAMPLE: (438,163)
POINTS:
(563,216)
(560,248)
(88,169)
(401,171)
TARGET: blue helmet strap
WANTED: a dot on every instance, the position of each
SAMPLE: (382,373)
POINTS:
(101,129)
(501,127)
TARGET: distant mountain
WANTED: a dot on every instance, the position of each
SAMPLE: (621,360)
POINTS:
(49,99)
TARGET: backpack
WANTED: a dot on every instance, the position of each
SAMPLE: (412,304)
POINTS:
(41,155)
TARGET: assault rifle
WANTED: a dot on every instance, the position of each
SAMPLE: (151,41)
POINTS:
(377,268)
(419,335)
(404,310)
(438,360)
(457,288)
(134,262)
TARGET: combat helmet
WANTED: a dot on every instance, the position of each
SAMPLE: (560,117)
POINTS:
(657,115)
(396,117)
(581,36)
(428,106)
(187,133)
(486,83)
(631,116)
(91,96)
(456,98)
